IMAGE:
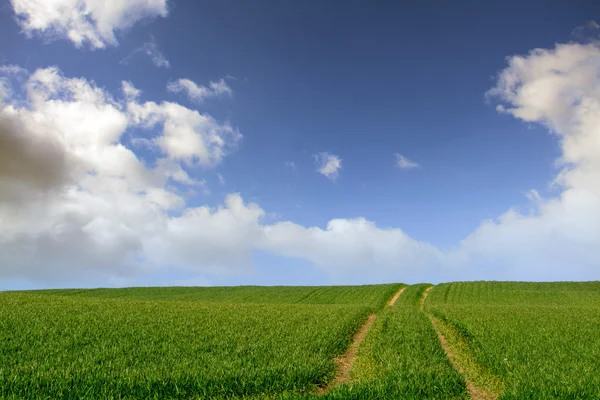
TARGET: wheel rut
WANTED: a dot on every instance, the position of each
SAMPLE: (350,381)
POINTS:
(398,293)
(346,360)
(475,392)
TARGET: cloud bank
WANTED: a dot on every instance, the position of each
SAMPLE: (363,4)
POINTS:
(77,201)
(91,208)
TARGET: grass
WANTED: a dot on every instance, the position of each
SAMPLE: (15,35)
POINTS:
(368,295)
(484,384)
(401,358)
(522,340)
(111,344)
(540,340)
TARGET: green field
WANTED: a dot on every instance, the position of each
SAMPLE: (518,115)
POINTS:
(184,343)
(401,358)
(518,340)
(366,295)
(541,340)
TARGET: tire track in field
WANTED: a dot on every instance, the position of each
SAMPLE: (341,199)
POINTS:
(393,300)
(475,392)
(346,360)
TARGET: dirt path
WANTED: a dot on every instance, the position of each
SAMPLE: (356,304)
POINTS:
(475,392)
(393,300)
(346,360)
(425,294)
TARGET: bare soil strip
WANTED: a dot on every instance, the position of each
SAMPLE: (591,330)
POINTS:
(425,294)
(458,357)
(393,300)
(346,360)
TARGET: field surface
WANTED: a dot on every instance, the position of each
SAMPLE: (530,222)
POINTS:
(177,342)
(365,295)
(541,340)
(402,358)
(478,340)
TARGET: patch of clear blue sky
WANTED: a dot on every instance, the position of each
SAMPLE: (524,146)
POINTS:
(362,80)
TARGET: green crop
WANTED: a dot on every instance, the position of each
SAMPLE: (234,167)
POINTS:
(401,358)
(370,295)
(519,340)
(110,344)
(542,340)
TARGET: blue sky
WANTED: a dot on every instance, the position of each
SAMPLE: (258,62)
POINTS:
(358,82)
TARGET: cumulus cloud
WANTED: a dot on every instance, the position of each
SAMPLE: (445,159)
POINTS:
(30,158)
(75,223)
(218,241)
(199,93)
(152,51)
(89,22)
(328,165)
(75,201)
(350,246)
(404,163)
(111,217)
(106,213)
(560,89)
(187,135)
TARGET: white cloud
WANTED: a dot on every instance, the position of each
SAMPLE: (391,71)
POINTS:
(404,163)
(218,241)
(187,135)
(90,22)
(130,91)
(12,70)
(352,246)
(199,93)
(221,179)
(560,89)
(291,165)
(71,218)
(328,165)
(106,215)
(77,203)
(151,50)
(174,171)
(220,87)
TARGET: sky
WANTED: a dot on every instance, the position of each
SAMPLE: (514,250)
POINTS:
(179,142)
